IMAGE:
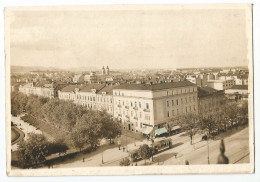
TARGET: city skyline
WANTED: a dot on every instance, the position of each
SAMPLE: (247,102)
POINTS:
(142,38)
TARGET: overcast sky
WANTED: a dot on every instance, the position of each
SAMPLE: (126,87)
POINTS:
(129,38)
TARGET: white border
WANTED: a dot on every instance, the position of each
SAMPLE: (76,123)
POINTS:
(80,2)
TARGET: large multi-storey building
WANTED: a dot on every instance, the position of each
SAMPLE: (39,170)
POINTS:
(92,96)
(144,107)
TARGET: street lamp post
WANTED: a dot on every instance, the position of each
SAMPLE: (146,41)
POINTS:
(102,161)
(208,148)
(126,141)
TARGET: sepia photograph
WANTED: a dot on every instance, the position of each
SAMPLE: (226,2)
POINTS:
(129,89)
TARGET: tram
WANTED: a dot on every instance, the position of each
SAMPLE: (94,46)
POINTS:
(157,147)
(162,145)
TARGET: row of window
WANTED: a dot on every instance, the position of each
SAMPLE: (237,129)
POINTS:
(180,101)
(134,114)
(181,91)
(181,111)
(86,98)
(133,104)
(93,106)
(135,124)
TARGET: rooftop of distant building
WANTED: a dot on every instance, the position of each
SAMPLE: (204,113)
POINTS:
(153,87)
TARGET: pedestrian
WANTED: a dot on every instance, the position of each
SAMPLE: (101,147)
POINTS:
(123,149)
(187,162)
(119,144)
(175,155)
(83,160)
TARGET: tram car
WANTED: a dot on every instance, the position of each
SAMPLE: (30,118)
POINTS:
(162,145)
(156,148)
(134,155)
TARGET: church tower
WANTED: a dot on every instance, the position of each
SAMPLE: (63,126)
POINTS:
(107,70)
(103,71)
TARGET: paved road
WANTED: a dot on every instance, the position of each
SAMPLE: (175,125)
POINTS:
(25,127)
(237,150)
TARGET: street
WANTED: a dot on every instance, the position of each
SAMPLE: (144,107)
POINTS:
(237,150)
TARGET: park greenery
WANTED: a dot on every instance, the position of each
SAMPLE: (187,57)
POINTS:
(33,151)
(212,124)
(80,126)
(125,162)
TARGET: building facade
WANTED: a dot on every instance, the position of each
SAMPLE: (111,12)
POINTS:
(221,84)
(210,100)
(143,107)
(92,96)
(46,90)
(237,92)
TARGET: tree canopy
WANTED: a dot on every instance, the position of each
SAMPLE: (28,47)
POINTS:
(32,152)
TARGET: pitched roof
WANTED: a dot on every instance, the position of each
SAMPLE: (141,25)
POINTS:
(108,89)
(89,87)
(153,87)
(70,88)
(83,88)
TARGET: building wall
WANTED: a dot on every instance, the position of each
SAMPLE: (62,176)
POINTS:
(221,84)
(90,100)
(133,108)
(137,109)
(40,91)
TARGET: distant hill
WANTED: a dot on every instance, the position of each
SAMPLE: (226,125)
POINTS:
(23,69)
(82,69)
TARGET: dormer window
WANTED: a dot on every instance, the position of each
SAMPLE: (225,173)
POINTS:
(104,93)
(93,90)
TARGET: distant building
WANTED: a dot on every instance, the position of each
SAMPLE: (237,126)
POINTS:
(91,78)
(144,107)
(78,78)
(107,70)
(221,84)
(46,90)
(210,100)
(238,92)
(200,79)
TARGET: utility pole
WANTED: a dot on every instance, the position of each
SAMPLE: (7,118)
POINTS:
(208,148)
(102,154)
(126,141)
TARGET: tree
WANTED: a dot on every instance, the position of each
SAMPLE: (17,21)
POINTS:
(208,124)
(145,152)
(78,139)
(111,128)
(243,112)
(33,151)
(88,130)
(125,162)
(189,123)
(231,113)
